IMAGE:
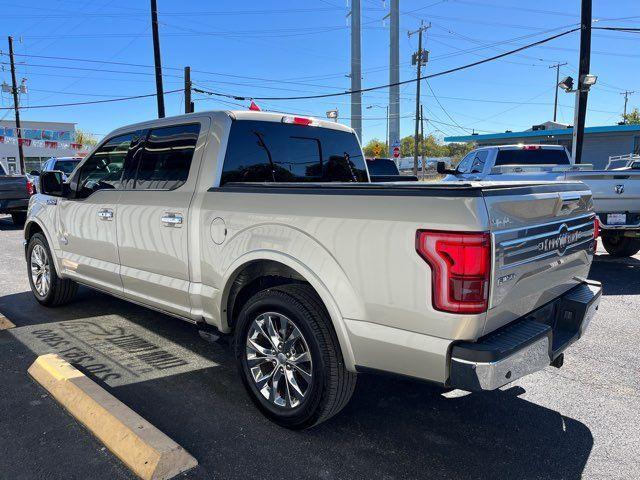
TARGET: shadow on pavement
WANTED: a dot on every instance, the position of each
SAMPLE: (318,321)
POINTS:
(619,276)
(392,428)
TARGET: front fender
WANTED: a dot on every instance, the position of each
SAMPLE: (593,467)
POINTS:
(41,216)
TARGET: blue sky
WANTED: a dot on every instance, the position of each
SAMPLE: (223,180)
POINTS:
(257,48)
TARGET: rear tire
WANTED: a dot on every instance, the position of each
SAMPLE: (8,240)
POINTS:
(292,397)
(18,218)
(49,289)
(619,246)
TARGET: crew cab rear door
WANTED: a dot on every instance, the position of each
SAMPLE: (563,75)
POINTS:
(153,210)
(543,245)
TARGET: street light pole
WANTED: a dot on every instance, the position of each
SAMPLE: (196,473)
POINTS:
(583,90)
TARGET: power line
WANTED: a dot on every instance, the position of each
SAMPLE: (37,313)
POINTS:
(443,109)
(92,101)
(433,75)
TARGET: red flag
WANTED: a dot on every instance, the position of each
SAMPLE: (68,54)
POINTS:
(254,107)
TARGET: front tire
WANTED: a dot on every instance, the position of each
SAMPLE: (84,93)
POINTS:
(49,289)
(620,246)
(289,357)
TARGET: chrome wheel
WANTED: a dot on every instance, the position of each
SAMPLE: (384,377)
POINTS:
(279,359)
(40,274)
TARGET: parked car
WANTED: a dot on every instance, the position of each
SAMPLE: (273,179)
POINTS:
(62,164)
(266,228)
(616,194)
(386,170)
(15,191)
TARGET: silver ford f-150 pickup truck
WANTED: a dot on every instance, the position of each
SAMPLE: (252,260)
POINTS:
(265,226)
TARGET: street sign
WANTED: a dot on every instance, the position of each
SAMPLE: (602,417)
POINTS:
(396,152)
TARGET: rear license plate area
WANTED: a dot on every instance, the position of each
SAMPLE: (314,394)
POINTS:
(616,218)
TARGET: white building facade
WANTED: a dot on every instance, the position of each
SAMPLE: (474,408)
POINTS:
(41,141)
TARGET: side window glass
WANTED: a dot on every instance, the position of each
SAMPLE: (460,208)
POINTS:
(477,166)
(104,168)
(465,164)
(166,157)
(132,160)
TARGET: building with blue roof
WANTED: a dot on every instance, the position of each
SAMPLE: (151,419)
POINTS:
(600,143)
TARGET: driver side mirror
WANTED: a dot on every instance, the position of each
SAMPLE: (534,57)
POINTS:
(51,183)
(441,168)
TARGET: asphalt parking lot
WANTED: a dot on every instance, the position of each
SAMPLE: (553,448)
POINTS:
(579,421)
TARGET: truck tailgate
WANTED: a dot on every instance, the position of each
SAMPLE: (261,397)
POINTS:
(543,246)
(612,191)
(13,187)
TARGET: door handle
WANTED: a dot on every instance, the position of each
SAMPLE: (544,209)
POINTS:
(172,219)
(105,214)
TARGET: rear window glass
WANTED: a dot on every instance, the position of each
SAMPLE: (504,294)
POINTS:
(382,166)
(532,157)
(275,152)
(166,158)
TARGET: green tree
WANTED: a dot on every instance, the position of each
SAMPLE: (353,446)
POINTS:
(429,146)
(633,117)
(458,150)
(375,148)
(85,138)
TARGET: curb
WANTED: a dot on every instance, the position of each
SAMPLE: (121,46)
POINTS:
(143,448)
(5,323)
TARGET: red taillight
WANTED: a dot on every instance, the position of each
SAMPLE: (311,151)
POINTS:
(596,227)
(461,268)
(531,147)
(31,188)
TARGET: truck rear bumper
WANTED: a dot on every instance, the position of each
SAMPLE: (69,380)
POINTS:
(525,345)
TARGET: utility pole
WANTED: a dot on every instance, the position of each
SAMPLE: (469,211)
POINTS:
(423,143)
(418,58)
(356,69)
(626,94)
(555,103)
(394,73)
(583,90)
(16,104)
(156,58)
(188,104)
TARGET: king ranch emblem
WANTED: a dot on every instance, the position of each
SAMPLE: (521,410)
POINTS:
(559,242)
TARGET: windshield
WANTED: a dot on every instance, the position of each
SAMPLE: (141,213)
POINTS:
(66,166)
(261,151)
(538,156)
(382,166)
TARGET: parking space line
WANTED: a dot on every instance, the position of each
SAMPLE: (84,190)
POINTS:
(143,448)
(5,323)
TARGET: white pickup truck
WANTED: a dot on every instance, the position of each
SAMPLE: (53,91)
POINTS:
(616,193)
(265,226)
